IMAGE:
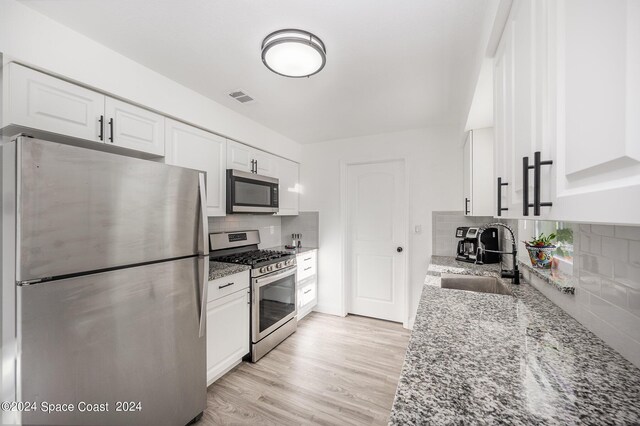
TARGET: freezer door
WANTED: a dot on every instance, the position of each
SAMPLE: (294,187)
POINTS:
(82,210)
(130,335)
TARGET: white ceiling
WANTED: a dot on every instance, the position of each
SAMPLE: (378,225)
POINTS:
(391,65)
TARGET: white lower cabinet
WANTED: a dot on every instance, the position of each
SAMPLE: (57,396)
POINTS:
(307,276)
(227,333)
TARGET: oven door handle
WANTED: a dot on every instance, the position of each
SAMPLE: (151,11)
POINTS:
(262,281)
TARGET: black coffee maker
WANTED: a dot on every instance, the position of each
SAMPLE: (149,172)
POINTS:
(467,248)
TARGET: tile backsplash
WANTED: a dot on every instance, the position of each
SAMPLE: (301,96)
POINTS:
(270,227)
(606,262)
(306,223)
(444,241)
(274,230)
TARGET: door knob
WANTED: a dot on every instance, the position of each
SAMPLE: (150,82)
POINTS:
(399,249)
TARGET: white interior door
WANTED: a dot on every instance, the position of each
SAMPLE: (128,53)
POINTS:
(376,239)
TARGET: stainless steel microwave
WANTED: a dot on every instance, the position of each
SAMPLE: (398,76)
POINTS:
(251,193)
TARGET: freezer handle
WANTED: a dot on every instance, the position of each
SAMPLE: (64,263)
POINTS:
(203,294)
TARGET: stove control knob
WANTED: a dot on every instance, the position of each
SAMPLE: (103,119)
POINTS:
(261,269)
(279,265)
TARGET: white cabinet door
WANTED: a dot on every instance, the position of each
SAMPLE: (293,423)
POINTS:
(132,127)
(227,333)
(239,157)
(43,102)
(266,164)
(502,123)
(597,111)
(482,183)
(251,160)
(522,137)
(467,175)
(288,187)
(187,146)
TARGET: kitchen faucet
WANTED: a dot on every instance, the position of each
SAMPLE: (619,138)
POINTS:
(514,274)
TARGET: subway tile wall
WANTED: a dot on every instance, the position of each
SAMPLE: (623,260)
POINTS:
(444,241)
(306,223)
(607,299)
(270,227)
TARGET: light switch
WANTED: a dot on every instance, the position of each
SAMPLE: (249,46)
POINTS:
(418,229)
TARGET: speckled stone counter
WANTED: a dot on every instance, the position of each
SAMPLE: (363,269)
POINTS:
(479,358)
(221,269)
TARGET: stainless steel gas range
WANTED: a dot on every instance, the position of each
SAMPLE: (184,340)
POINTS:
(273,286)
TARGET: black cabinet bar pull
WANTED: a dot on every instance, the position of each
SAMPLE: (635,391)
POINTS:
(111,130)
(223,286)
(537,163)
(308,258)
(306,269)
(307,291)
(500,185)
(256,166)
(525,186)
(466,205)
(101,121)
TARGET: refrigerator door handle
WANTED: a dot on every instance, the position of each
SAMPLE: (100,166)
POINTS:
(204,295)
(204,243)
(204,252)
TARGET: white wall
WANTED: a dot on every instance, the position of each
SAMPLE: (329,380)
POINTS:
(34,39)
(433,158)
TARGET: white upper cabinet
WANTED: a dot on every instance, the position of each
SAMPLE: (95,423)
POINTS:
(567,99)
(46,103)
(240,157)
(467,175)
(247,159)
(502,118)
(43,102)
(288,184)
(478,184)
(266,164)
(132,127)
(595,110)
(187,146)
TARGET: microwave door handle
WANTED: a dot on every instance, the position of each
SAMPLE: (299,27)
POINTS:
(271,278)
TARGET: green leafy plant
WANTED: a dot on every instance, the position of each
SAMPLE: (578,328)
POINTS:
(564,235)
(542,241)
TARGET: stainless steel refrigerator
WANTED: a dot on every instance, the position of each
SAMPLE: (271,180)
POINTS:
(104,273)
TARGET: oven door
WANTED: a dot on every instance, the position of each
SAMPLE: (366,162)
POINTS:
(274,302)
(251,193)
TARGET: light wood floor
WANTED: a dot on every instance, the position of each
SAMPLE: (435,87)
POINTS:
(332,371)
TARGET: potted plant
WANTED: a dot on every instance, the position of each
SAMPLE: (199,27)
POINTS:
(541,250)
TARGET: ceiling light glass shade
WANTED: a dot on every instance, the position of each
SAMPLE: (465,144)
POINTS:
(293,53)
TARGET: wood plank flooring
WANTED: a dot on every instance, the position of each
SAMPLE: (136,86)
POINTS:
(332,371)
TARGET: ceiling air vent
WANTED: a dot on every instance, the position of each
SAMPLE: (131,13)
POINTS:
(240,96)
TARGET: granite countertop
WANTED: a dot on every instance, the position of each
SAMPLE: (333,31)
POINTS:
(479,358)
(294,251)
(222,269)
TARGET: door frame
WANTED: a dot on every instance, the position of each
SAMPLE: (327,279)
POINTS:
(344,225)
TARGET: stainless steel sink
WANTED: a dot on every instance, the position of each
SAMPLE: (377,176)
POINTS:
(474,283)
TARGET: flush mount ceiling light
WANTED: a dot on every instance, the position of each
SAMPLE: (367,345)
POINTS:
(293,53)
